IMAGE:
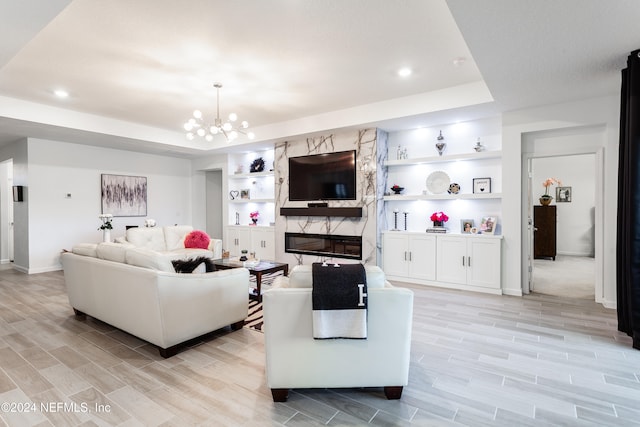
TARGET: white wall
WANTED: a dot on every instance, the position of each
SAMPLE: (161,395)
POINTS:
(601,112)
(575,219)
(57,222)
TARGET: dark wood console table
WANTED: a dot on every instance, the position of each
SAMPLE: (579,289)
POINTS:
(544,232)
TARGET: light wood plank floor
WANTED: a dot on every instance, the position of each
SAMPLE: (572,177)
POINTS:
(476,360)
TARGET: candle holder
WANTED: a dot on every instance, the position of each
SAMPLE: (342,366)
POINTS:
(405,220)
(395,220)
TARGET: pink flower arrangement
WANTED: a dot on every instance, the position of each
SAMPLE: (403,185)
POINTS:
(439,216)
(548,183)
(254,215)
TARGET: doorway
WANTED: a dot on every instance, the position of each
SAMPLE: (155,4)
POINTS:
(6,212)
(214,203)
(575,157)
(569,269)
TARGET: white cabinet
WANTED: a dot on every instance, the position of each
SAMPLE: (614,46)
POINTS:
(472,261)
(263,242)
(409,255)
(260,240)
(238,238)
(460,261)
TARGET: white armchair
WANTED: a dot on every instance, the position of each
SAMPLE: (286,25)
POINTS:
(295,360)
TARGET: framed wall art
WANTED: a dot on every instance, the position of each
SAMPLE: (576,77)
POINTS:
(563,194)
(245,193)
(481,185)
(124,195)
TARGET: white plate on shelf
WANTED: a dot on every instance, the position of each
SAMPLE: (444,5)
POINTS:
(438,182)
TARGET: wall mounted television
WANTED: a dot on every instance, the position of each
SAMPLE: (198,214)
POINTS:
(328,176)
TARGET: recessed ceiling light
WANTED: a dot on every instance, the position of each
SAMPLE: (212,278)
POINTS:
(60,93)
(404,72)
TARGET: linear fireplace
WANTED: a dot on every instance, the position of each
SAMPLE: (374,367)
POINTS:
(329,245)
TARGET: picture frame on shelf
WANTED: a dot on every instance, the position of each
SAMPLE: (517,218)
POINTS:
(481,185)
(488,224)
(245,194)
(563,194)
(466,225)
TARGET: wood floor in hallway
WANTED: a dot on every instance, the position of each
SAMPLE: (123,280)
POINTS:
(477,360)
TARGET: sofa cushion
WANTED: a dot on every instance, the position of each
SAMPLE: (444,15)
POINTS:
(149,238)
(111,251)
(147,258)
(174,236)
(86,249)
(301,277)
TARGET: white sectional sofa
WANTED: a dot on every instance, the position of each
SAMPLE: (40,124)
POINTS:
(168,240)
(294,359)
(136,289)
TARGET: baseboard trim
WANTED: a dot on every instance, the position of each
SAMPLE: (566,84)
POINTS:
(44,269)
(512,292)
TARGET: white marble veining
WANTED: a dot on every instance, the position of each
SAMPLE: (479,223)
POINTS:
(367,188)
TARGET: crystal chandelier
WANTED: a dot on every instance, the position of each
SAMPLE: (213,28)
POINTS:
(196,126)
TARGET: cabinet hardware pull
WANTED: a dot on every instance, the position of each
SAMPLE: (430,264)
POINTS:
(410,257)
(463,261)
(469,261)
(405,255)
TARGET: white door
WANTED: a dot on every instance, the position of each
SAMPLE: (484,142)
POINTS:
(452,259)
(395,254)
(422,257)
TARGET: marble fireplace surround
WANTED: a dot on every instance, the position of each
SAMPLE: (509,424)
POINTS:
(370,145)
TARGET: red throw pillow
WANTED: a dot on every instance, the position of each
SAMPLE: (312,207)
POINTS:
(197,239)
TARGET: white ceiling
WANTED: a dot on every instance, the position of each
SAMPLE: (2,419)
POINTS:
(135,70)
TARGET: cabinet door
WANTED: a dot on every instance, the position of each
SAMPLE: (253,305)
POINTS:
(483,260)
(422,257)
(263,243)
(452,259)
(395,254)
(239,239)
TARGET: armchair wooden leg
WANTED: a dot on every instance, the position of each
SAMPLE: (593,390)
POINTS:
(280,394)
(394,392)
(237,326)
(169,351)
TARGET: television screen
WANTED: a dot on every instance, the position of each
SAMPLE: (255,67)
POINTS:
(329,176)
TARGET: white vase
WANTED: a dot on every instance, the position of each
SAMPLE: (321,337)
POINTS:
(106,235)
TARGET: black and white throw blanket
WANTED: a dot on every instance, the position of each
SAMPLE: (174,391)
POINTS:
(339,300)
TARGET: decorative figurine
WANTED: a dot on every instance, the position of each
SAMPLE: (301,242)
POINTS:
(440,145)
(478,147)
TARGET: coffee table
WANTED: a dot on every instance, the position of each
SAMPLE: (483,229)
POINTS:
(263,267)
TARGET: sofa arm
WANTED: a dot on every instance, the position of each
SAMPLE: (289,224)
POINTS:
(295,360)
(215,246)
